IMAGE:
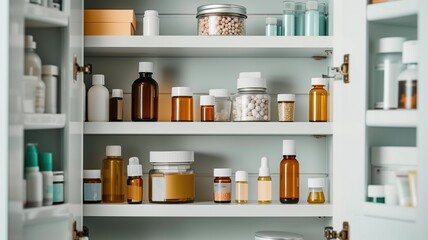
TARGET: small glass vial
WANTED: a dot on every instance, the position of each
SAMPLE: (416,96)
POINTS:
(286,107)
(271,26)
(376,193)
(182,104)
(135,181)
(312,19)
(288,19)
(241,187)
(92,186)
(116,105)
(222,185)
(408,79)
(58,187)
(299,19)
(316,194)
(322,12)
(207,108)
(222,105)
(252,102)
(318,99)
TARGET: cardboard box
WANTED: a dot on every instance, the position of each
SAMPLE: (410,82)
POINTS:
(110,22)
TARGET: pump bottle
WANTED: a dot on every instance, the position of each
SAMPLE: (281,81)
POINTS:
(135,181)
(264,182)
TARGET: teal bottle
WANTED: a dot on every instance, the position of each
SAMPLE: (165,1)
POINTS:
(312,19)
(299,19)
(288,19)
(271,26)
(322,11)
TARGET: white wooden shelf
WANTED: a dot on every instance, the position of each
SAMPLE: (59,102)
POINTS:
(43,121)
(46,214)
(392,118)
(207,209)
(400,13)
(207,128)
(389,211)
(42,17)
(207,46)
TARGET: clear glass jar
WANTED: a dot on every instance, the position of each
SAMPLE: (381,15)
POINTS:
(251,103)
(171,180)
(316,194)
(221,19)
(222,105)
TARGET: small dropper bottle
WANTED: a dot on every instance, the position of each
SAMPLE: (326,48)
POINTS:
(135,181)
(264,182)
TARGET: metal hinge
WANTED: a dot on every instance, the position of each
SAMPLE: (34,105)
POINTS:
(86,69)
(79,235)
(329,233)
(344,69)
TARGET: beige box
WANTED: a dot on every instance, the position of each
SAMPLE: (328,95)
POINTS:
(110,22)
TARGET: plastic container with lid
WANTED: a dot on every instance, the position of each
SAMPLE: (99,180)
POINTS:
(222,185)
(171,180)
(151,23)
(222,104)
(316,193)
(408,79)
(221,19)
(49,77)
(207,103)
(318,100)
(286,107)
(277,235)
(182,104)
(252,102)
(288,18)
(92,186)
(376,193)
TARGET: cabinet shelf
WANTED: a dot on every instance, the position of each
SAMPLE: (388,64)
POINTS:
(207,209)
(392,118)
(207,46)
(207,128)
(46,214)
(399,13)
(390,212)
(43,121)
(43,17)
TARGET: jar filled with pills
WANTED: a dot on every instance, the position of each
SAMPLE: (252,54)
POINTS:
(251,103)
(221,19)
(92,186)
(171,180)
(222,185)
(286,107)
(222,104)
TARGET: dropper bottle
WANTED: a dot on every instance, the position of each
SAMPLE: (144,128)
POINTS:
(264,183)
(135,181)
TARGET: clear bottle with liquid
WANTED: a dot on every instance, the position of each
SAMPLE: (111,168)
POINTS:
(145,95)
(289,174)
(318,101)
(288,25)
(241,187)
(113,175)
(264,183)
(316,193)
(408,79)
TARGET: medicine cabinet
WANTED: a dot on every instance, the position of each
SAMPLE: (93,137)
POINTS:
(338,150)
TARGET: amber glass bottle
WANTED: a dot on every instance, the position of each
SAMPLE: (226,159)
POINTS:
(222,185)
(182,104)
(135,181)
(145,95)
(207,108)
(116,105)
(289,174)
(318,99)
(113,175)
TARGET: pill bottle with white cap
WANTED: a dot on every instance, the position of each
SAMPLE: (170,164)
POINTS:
(318,100)
(113,175)
(116,105)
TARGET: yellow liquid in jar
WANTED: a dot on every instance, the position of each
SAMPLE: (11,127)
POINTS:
(316,198)
(318,104)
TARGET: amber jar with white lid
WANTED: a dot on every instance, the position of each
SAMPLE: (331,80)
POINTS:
(171,180)
(182,104)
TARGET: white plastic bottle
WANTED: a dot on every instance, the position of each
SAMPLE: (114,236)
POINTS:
(151,23)
(98,100)
(33,178)
(32,67)
(45,164)
(49,77)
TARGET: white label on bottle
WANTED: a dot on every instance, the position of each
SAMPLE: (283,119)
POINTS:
(158,189)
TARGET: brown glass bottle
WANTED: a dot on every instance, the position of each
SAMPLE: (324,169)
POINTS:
(207,113)
(135,189)
(222,185)
(116,106)
(145,95)
(318,97)
(289,174)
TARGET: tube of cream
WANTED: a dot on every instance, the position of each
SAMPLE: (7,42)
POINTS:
(412,184)
(404,197)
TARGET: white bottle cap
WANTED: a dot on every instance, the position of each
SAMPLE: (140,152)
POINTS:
(300,7)
(98,79)
(311,5)
(264,167)
(315,182)
(113,151)
(134,167)
(289,147)
(319,81)
(172,156)
(146,67)
(50,70)
(219,92)
(271,21)
(251,80)
(92,174)
(28,41)
(148,13)
(207,100)
(391,45)
(222,172)
(181,91)
(241,176)
(286,97)
(410,52)
(117,93)
(376,191)
(289,6)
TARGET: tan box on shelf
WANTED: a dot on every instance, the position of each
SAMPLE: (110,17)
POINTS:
(110,22)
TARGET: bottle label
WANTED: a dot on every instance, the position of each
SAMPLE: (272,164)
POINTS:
(158,189)
(264,190)
(91,191)
(135,193)
(222,192)
(58,192)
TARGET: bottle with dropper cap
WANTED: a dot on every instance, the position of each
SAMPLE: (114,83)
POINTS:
(264,182)
(135,181)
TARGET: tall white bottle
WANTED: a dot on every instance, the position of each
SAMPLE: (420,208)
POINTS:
(33,178)
(33,67)
(45,165)
(98,100)
(49,77)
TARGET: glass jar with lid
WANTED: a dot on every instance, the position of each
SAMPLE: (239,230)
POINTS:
(252,102)
(223,105)
(221,19)
(171,180)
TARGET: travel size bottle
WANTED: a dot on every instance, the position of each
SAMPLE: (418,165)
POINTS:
(318,99)
(135,181)
(113,175)
(207,108)
(312,19)
(241,187)
(145,95)
(116,105)
(33,178)
(45,165)
(264,182)
(98,100)
(289,173)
